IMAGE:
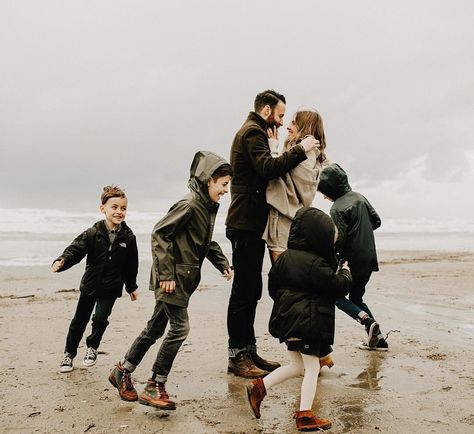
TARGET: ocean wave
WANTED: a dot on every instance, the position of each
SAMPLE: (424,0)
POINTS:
(53,221)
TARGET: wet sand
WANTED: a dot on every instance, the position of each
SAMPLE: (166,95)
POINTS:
(424,384)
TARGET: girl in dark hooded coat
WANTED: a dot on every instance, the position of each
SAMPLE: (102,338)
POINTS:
(304,284)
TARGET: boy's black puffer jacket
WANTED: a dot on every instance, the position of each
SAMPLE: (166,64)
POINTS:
(304,283)
(106,270)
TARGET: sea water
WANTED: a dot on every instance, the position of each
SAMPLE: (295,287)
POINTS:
(30,237)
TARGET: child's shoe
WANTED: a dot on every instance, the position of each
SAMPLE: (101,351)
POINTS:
(155,395)
(381,345)
(307,421)
(90,359)
(326,361)
(122,380)
(255,393)
(66,364)
(373,330)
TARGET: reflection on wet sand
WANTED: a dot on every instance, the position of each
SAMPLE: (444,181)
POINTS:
(369,378)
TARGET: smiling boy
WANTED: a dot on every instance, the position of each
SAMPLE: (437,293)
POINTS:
(181,241)
(112,261)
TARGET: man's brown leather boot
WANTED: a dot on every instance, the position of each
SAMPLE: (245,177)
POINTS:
(242,365)
(307,421)
(266,365)
(256,392)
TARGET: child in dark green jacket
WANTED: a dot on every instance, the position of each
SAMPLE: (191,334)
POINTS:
(356,221)
(112,261)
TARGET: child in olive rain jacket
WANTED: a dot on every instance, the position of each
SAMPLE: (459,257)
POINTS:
(181,241)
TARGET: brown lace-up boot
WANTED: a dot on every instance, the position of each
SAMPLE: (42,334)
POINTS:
(242,365)
(122,380)
(307,421)
(256,392)
(155,395)
(263,364)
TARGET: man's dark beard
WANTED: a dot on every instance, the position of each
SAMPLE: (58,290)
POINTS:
(271,121)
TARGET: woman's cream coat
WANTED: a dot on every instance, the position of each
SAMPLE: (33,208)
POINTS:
(288,194)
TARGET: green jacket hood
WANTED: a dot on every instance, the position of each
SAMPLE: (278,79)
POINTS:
(333,182)
(204,164)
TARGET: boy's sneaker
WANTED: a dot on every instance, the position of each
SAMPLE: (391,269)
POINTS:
(90,359)
(122,380)
(373,330)
(66,364)
(155,395)
(381,345)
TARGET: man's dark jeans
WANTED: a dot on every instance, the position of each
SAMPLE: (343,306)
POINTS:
(85,306)
(177,334)
(354,304)
(248,250)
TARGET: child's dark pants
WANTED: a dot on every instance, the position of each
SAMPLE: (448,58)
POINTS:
(177,334)
(85,306)
(354,305)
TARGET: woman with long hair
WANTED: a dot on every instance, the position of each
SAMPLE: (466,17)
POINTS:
(296,189)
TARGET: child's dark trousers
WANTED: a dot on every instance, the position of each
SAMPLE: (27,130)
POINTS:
(85,306)
(179,329)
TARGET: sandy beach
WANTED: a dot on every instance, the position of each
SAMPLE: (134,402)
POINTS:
(424,384)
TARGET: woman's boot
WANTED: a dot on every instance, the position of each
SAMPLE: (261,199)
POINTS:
(307,421)
(256,392)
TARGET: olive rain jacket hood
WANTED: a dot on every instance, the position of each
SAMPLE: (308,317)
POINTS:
(304,281)
(182,239)
(108,266)
(355,219)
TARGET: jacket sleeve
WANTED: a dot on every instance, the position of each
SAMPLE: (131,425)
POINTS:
(334,284)
(131,267)
(163,235)
(264,164)
(217,258)
(75,252)
(341,224)
(272,284)
(374,217)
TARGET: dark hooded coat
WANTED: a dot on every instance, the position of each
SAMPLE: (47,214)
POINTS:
(108,266)
(355,219)
(304,282)
(182,239)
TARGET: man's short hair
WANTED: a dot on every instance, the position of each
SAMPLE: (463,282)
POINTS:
(268,97)
(221,171)
(110,191)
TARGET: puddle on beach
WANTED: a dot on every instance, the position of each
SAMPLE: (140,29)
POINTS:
(369,378)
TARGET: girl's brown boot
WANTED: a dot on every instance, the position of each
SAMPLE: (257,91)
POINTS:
(307,421)
(256,392)
(326,361)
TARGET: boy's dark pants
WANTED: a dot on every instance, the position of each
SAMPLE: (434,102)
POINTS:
(354,305)
(248,250)
(85,306)
(177,334)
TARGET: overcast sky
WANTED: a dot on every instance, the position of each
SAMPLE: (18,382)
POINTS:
(98,92)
